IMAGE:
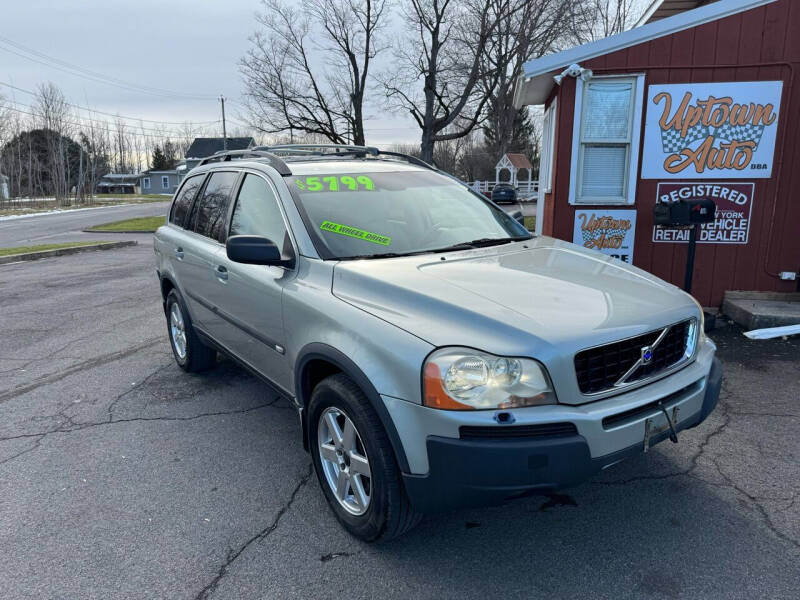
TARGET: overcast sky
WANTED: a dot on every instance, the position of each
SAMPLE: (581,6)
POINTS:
(188,46)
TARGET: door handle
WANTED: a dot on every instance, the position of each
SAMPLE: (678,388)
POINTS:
(221,273)
(179,253)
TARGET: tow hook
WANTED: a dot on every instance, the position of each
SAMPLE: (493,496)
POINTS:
(649,429)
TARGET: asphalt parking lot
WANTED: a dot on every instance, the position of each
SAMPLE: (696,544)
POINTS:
(123,477)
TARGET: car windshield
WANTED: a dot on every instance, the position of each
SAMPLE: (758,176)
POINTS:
(384,214)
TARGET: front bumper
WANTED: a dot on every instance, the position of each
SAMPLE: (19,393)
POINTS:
(469,472)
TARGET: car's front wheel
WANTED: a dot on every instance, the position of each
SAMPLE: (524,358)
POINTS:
(355,463)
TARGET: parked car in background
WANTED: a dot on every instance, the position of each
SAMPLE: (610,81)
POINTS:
(437,354)
(504,193)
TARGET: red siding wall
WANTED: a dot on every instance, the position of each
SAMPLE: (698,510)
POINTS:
(758,45)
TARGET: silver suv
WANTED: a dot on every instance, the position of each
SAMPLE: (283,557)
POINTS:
(438,354)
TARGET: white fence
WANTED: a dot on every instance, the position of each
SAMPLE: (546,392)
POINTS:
(526,192)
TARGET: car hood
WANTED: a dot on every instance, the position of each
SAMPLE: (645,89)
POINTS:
(535,298)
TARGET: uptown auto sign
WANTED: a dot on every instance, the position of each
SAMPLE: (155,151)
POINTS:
(731,222)
(711,130)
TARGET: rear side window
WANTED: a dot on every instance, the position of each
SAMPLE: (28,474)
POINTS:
(183,202)
(211,210)
(257,213)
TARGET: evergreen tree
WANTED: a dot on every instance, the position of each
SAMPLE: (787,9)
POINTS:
(505,131)
(170,154)
(160,162)
(29,156)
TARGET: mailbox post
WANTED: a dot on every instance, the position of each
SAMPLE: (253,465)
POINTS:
(686,214)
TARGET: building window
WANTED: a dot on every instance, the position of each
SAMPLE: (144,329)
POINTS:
(605,152)
(165,182)
(146,183)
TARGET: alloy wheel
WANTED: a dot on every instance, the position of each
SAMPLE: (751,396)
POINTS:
(344,461)
(177,330)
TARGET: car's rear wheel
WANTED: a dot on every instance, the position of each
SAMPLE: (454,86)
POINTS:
(190,353)
(355,463)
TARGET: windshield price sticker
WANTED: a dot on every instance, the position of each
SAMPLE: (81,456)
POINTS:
(332,183)
(354,232)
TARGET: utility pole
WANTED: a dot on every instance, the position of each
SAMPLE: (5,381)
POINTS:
(224,130)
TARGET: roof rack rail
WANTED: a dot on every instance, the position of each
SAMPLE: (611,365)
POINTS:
(226,155)
(319,149)
(411,159)
(342,149)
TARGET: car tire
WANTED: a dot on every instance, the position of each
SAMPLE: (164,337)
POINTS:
(192,355)
(388,512)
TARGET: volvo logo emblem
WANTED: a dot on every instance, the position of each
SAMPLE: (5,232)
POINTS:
(647,355)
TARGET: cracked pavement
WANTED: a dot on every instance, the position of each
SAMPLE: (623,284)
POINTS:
(123,477)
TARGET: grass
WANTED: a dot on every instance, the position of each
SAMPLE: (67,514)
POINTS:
(530,223)
(138,224)
(43,247)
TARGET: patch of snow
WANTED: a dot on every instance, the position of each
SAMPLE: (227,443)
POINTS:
(56,211)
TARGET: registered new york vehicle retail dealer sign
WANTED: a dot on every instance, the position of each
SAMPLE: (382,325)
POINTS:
(711,130)
(731,222)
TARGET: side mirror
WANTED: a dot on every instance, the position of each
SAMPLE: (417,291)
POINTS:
(255,250)
(517,216)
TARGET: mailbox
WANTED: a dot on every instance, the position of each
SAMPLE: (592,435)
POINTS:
(689,214)
(684,212)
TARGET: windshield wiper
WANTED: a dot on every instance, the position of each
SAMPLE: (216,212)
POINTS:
(481,243)
(381,255)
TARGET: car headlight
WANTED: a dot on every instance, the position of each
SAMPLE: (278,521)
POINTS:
(467,379)
(692,338)
(697,331)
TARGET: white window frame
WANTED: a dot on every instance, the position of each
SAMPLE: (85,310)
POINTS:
(146,183)
(165,182)
(576,166)
(546,160)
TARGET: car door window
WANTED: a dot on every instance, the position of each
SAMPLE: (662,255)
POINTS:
(211,210)
(257,213)
(183,202)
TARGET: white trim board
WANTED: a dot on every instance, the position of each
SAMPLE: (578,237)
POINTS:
(536,82)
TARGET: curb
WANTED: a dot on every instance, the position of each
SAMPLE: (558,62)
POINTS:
(63,251)
(104,231)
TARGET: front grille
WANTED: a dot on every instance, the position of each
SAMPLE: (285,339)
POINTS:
(599,369)
(517,431)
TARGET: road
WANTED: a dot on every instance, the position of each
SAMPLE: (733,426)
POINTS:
(123,477)
(67,226)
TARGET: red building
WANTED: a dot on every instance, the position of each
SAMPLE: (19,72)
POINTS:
(696,101)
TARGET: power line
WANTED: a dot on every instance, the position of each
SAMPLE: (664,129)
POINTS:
(75,70)
(100,112)
(99,124)
(105,121)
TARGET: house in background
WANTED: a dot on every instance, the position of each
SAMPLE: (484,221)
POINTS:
(118,183)
(697,101)
(160,182)
(204,147)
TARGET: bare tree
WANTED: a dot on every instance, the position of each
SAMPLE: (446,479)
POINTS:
(307,69)
(527,30)
(186,134)
(445,51)
(596,19)
(52,113)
